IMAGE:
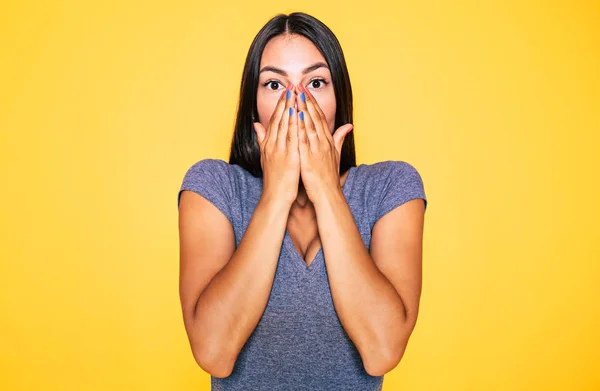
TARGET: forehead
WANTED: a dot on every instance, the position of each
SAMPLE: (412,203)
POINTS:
(292,53)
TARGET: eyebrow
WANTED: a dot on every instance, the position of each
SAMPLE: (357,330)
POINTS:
(314,67)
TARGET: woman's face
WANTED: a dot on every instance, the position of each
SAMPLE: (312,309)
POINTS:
(293,59)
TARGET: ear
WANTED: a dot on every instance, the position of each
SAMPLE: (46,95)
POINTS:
(260,132)
(340,135)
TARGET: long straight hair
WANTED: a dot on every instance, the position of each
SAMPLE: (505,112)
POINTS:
(245,150)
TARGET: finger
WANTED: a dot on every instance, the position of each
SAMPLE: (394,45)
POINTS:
(317,114)
(311,128)
(292,135)
(312,98)
(303,143)
(340,134)
(260,133)
(276,118)
(282,133)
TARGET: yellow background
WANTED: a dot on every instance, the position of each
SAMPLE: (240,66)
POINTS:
(105,105)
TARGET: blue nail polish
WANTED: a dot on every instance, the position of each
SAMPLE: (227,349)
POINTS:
(288,94)
(302,115)
(291,111)
(303,97)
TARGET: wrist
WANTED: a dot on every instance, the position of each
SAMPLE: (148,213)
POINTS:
(328,198)
(276,202)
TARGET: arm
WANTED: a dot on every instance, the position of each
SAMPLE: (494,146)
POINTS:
(376,295)
(224,290)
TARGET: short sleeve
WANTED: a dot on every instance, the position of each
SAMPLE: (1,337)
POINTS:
(401,183)
(210,178)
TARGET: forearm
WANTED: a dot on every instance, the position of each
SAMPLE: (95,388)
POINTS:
(231,305)
(369,308)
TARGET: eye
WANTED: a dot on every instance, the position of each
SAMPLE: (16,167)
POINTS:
(271,83)
(317,83)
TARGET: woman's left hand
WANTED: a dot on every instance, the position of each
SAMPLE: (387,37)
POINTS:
(319,150)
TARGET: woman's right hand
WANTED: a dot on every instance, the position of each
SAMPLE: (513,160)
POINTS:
(279,154)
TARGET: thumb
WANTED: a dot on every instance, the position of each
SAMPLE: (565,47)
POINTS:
(260,132)
(340,135)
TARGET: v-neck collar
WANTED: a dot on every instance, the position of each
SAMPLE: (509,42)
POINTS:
(319,258)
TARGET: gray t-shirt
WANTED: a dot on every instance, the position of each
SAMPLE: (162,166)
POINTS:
(299,342)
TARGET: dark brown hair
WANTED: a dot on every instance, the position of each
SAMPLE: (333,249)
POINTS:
(245,151)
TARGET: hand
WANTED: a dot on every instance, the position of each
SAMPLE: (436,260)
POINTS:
(319,150)
(279,155)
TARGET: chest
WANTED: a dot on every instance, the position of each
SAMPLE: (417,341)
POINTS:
(303,233)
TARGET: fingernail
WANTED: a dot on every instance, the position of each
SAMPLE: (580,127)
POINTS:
(303,97)
(302,115)
(291,111)
(288,94)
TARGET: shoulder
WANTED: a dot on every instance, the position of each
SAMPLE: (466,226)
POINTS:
(217,178)
(209,166)
(215,172)
(375,176)
(211,179)
(394,183)
(380,175)
(395,169)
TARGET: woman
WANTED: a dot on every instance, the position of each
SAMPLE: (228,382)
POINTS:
(299,269)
